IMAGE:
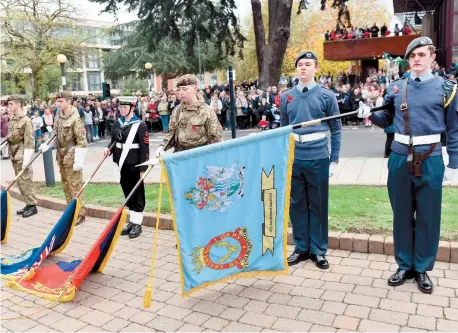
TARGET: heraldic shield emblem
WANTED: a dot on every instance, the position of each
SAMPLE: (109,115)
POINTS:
(227,250)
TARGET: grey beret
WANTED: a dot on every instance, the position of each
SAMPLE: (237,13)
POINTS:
(417,42)
(305,55)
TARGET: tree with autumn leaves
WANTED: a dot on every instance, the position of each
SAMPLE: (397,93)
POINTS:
(307,33)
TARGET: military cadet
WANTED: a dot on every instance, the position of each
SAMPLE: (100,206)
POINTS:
(421,108)
(131,148)
(313,165)
(193,123)
(71,147)
(21,143)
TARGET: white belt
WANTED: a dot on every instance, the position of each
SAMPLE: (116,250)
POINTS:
(134,145)
(309,137)
(417,140)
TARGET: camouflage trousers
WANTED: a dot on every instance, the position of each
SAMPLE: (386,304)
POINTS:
(72,181)
(25,183)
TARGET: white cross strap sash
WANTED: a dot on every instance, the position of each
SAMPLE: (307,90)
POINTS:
(417,140)
(309,137)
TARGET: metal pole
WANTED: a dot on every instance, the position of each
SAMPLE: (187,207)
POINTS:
(49,168)
(200,63)
(62,72)
(232,96)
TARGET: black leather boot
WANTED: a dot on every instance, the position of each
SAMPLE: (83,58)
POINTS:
(320,261)
(21,211)
(135,231)
(297,257)
(424,283)
(30,211)
(400,277)
(127,229)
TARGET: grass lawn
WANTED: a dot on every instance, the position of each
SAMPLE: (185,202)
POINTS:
(351,208)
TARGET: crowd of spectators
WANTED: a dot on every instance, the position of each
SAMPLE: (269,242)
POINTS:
(367,32)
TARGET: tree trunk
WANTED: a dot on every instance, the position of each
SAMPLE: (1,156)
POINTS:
(270,54)
(165,81)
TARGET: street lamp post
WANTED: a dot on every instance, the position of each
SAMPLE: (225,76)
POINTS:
(148,67)
(62,59)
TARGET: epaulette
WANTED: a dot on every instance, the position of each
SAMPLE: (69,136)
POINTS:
(449,87)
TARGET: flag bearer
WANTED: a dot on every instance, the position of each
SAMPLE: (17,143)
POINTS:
(313,165)
(71,148)
(130,135)
(21,144)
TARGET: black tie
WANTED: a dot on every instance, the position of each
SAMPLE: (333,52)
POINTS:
(305,90)
(417,79)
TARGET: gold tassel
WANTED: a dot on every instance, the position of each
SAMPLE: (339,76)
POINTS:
(149,289)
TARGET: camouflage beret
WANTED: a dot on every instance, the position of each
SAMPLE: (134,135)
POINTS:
(64,94)
(305,55)
(417,42)
(16,98)
(187,80)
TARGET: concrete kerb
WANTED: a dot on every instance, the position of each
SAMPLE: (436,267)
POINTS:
(362,243)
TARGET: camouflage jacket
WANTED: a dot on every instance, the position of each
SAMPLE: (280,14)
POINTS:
(70,133)
(20,136)
(197,126)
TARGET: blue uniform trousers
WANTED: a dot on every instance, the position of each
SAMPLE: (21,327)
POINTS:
(309,205)
(416,204)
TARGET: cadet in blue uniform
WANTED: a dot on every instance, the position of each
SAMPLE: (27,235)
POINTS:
(311,169)
(131,148)
(421,108)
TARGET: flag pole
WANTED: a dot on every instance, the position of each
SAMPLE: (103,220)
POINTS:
(93,173)
(3,144)
(338,116)
(28,164)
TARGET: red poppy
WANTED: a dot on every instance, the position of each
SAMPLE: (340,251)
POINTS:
(395,89)
(290,99)
(194,128)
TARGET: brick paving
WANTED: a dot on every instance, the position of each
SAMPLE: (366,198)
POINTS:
(351,296)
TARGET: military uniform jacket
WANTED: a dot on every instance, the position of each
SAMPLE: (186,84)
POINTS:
(20,136)
(197,126)
(70,134)
(119,135)
(432,110)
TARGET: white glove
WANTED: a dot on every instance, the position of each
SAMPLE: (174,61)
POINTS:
(449,174)
(44,147)
(364,111)
(332,169)
(80,155)
(27,156)
(160,151)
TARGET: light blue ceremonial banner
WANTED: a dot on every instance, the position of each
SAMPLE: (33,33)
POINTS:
(230,204)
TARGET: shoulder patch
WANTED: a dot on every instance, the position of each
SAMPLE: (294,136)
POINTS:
(448,85)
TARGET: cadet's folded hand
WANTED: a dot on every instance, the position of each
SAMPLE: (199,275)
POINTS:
(44,148)
(160,151)
(364,111)
(449,174)
(332,169)
(107,152)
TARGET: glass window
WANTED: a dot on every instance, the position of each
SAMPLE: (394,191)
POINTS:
(93,81)
(75,81)
(455,54)
(455,28)
(456,6)
(93,59)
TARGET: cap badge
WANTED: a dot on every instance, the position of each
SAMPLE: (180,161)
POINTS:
(423,41)
(308,55)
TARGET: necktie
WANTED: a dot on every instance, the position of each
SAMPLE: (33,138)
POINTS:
(417,79)
(305,90)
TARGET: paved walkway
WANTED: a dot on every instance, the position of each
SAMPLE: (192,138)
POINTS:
(350,171)
(351,296)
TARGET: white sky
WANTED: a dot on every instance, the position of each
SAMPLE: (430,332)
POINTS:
(91,10)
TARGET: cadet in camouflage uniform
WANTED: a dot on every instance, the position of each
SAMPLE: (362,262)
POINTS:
(71,147)
(21,147)
(193,123)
